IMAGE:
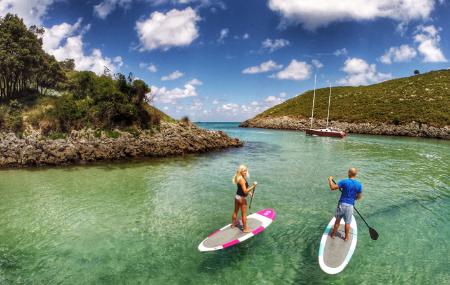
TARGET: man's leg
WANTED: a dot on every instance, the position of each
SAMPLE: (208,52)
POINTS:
(348,215)
(347,232)
(335,228)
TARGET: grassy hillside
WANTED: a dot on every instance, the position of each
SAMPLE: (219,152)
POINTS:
(422,98)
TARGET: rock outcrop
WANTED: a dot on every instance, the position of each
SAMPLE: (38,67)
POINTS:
(88,145)
(412,129)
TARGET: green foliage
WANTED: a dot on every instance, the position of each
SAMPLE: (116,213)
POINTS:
(56,135)
(112,134)
(422,98)
(80,99)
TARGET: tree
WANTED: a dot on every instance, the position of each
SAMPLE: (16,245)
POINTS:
(23,63)
(68,64)
(416,72)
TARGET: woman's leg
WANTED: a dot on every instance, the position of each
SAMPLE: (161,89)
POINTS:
(235,213)
(244,216)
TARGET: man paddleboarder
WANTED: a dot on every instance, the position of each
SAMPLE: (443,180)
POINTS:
(351,190)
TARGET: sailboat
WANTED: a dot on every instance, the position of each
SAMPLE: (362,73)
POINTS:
(327,132)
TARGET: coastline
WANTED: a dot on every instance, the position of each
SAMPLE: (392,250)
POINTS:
(87,145)
(412,129)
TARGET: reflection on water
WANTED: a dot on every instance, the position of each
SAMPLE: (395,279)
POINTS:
(139,222)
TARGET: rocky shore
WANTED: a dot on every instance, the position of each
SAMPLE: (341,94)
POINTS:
(89,145)
(293,123)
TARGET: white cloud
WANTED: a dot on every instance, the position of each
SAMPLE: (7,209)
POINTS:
(318,13)
(230,106)
(215,102)
(317,63)
(296,70)
(164,95)
(195,81)
(149,66)
(273,100)
(245,36)
(163,31)
(402,53)
(263,67)
(32,11)
(273,45)
(359,72)
(339,52)
(428,39)
(223,34)
(55,35)
(174,75)
(66,41)
(104,8)
(152,68)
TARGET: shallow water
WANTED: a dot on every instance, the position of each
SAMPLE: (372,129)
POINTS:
(141,222)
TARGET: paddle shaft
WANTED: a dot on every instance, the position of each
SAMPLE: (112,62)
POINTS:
(251,200)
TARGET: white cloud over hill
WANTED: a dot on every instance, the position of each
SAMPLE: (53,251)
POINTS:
(428,39)
(402,53)
(166,30)
(296,70)
(359,72)
(65,41)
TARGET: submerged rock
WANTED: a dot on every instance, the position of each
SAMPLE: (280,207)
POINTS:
(87,145)
(412,129)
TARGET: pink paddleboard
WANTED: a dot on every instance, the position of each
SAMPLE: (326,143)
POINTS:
(227,236)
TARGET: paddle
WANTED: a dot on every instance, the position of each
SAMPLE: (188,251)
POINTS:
(253,194)
(373,233)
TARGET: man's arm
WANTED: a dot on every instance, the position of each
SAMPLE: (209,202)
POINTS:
(359,193)
(333,186)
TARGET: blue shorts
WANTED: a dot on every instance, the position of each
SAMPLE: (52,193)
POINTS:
(345,211)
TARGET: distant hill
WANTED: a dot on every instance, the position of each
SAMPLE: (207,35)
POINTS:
(423,98)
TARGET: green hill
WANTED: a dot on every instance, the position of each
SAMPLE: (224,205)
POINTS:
(421,98)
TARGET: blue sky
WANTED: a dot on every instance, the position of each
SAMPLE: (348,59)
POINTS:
(218,60)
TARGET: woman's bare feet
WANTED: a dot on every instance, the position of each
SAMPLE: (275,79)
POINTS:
(246,230)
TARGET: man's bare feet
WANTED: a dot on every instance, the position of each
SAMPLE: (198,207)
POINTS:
(346,238)
(332,235)
(246,230)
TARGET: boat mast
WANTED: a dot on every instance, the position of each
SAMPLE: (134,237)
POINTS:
(314,98)
(329,101)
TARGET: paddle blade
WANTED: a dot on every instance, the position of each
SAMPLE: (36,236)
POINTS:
(373,234)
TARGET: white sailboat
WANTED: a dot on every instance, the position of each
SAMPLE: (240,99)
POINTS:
(327,132)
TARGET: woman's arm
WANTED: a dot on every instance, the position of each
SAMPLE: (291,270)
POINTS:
(244,187)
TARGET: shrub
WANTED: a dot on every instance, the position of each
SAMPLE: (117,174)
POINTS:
(14,121)
(112,134)
(185,120)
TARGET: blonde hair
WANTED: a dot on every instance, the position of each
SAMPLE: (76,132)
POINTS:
(238,175)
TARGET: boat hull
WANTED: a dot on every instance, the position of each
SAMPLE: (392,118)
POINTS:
(325,133)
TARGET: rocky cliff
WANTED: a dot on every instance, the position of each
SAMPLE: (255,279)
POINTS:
(89,145)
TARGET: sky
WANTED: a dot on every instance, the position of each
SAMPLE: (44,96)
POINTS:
(215,60)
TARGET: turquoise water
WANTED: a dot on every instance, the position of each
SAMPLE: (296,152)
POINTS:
(141,222)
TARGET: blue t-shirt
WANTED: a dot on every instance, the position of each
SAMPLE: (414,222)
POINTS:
(350,187)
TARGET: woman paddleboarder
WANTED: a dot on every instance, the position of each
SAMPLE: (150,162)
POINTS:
(240,201)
